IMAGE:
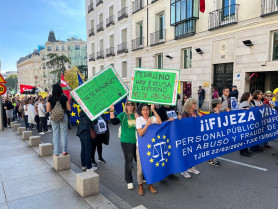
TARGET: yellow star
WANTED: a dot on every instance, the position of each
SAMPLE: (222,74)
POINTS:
(164,137)
(157,164)
(149,146)
(169,153)
(74,105)
(151,160)
(149,153)
(163,164)
(77,121)
(158,137)
(167,140)
(166,160)
(73,114)
(153,140)
(169,147)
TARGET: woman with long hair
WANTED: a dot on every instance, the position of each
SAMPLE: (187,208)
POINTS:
(245,103)
(190,110)
(142,124)
(127,134)
(58,104)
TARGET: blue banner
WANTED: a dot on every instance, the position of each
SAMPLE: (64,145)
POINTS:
(119,107)
(174,147)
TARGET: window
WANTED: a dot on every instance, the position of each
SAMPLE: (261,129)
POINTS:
(93,71)
(139,62)
(49,48)
(124,69)
(187,58)
(77,54)
(63,47)
(229,8)
(68,47)
(77,47)
(161,26)
(182,10)
(159,61)
(275,45)
(57,48)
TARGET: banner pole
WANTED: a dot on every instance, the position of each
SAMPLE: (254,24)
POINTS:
(1,115)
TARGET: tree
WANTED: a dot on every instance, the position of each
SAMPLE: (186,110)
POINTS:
(72,78)
(58,62)
(11,82)
(84,70)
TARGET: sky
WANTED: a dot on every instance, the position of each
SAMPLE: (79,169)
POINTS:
(25,24)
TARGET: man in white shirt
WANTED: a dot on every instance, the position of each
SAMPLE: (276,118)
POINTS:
(42,116)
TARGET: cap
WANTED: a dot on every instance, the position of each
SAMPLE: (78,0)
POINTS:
(234,86)
(268,92)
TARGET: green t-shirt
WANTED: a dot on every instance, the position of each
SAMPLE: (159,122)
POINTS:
(128,128)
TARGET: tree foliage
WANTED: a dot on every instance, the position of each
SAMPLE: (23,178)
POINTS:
(11,82)
(84,70)
(59,64)
(72,78)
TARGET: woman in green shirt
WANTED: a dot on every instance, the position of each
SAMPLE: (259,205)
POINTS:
(128,136)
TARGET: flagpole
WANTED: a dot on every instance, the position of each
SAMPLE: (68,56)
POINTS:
(1,115)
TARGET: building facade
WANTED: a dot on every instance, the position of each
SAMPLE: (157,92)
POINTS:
(234,42)
(109,31)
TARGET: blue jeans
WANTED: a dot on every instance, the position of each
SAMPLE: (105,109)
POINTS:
(26,121)
(60,132)
(201,100)
(86,149)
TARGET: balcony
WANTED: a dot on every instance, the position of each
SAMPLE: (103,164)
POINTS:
(90,8)
(110,21)
(185,29)
(98,2)
(137,5)
(91,32)
(100,55)
(138,43)
(100,27)
(122,48)
(122,14)
(158,37)
(92,57)
(269,7)
(223,17)
(110,52)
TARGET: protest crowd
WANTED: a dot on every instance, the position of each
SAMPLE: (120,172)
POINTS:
(135,120)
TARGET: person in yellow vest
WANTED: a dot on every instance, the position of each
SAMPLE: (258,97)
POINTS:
(275,98)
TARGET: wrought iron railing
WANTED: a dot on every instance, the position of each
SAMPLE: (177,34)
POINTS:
(122,48)
(110,21)
(92,57)
(158,37)
(98,2)
(185,29)
(90,8)
(269,7)
(122,13)
(100,55)
(154,1)
(100,27)
(138,43)
(223,17)
(137,5)
(91,32)
(110,52)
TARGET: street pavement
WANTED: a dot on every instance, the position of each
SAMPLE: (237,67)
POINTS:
(239,182)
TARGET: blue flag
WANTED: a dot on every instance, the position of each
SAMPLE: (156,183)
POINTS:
(174,147)
(79,79)
(119,107)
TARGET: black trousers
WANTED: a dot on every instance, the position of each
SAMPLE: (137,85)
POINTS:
(97,144)
(43,124)
(128,150)
(86,149)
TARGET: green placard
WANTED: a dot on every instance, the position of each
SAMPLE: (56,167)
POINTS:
(154,86)
(99,92)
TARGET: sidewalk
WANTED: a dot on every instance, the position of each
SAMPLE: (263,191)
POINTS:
(28,181)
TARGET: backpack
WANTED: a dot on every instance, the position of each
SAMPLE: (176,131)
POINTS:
(57,113)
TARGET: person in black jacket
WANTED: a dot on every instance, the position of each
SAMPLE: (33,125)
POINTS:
(234,92)
(83,131)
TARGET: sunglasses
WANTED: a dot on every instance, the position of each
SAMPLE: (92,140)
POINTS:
(130,104)
(268,96)
(260,94)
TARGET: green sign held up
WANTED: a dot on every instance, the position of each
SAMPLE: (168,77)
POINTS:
(154,86)
(99,92)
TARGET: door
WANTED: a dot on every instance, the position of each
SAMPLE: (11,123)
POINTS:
(223,76)
(257,82)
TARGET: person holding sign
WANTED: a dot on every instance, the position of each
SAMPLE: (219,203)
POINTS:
(142,124)
(190,110)
(127,134)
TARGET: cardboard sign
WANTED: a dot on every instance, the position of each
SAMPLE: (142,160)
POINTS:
(43,94)
(154,86)
(99,92)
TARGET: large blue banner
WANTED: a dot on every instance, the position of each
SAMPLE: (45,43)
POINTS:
(176,146)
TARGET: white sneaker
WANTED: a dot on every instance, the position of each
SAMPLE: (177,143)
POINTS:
(92,169)
(186,174)
(84,168)
(49,131)
(193,170)
(130,186)
(41,133)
